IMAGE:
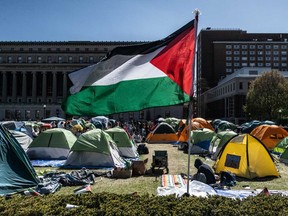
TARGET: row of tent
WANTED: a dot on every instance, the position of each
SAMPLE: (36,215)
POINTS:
(167,132)
(247,155)
(94,148)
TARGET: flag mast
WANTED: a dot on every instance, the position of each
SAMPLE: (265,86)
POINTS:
(190,113)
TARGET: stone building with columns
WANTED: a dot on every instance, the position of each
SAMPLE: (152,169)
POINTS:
(34,78)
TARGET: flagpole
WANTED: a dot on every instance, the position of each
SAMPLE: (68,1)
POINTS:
(190,113)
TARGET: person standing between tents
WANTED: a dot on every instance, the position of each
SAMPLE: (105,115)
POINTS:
(206,170)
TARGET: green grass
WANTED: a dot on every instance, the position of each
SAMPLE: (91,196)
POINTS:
(177,163)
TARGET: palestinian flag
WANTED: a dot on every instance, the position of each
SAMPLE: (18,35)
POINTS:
(133,78)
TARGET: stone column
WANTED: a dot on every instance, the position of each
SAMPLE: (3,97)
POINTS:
(14,87)
(64,85)
(34,81)
(44,87)
(24,87)
(54,87)
(4,86)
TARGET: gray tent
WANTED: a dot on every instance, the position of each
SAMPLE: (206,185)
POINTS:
(23,139)
(95,148)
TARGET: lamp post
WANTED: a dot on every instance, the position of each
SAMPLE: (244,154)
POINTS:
(44,108)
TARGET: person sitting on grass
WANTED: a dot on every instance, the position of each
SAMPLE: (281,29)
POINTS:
(206,170)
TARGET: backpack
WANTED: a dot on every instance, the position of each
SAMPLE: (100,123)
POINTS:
(227,178)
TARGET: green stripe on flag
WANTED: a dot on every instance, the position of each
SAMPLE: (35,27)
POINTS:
(125,96)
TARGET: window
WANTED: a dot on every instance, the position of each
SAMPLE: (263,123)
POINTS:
(268,47)
(276,53)
(1,59)
(260,47)
(106,49)
(228,46)
(260,52)
(29,59)
(252,64)
(59,59)
(95,49)
(240,85)
(253,72)
(77,49)
(267,58)
(39,59)
(252,52)
(260,58)
(10,59)
(268,65)
(228,52)
(228,70)
(236,46)
(12,49)
(283,47)
(48,49)
(244,52)
(252,58)
(283,58)
(276,64)
(236,52)
(252,46)
(284,64)
(70,59)
(86,49)
(244,64)
(275,58)
(268,53)
(67,49)
(283,52)
(260,64)
(39,49)
(19,59)
(91,59)
(30,49)
(236,64)
(275,47)
(244,46)
(21,49)
(80,59)
(228,64)
(49,59)
(58,49)
(244,58)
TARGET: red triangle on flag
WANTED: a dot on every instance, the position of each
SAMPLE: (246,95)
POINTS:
(177,58)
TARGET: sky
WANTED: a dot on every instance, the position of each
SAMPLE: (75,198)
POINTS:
(133,20)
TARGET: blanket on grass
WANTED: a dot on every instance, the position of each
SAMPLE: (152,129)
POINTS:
(173,181)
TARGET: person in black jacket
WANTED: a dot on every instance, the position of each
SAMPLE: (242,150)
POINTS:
(206,170)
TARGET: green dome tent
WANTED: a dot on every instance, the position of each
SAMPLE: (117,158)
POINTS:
(17,173)
(126,146)
(219,140)
(51,144)
(201,140)
(281,149)
(95,148)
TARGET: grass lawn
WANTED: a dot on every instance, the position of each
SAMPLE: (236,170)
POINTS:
(177,163)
